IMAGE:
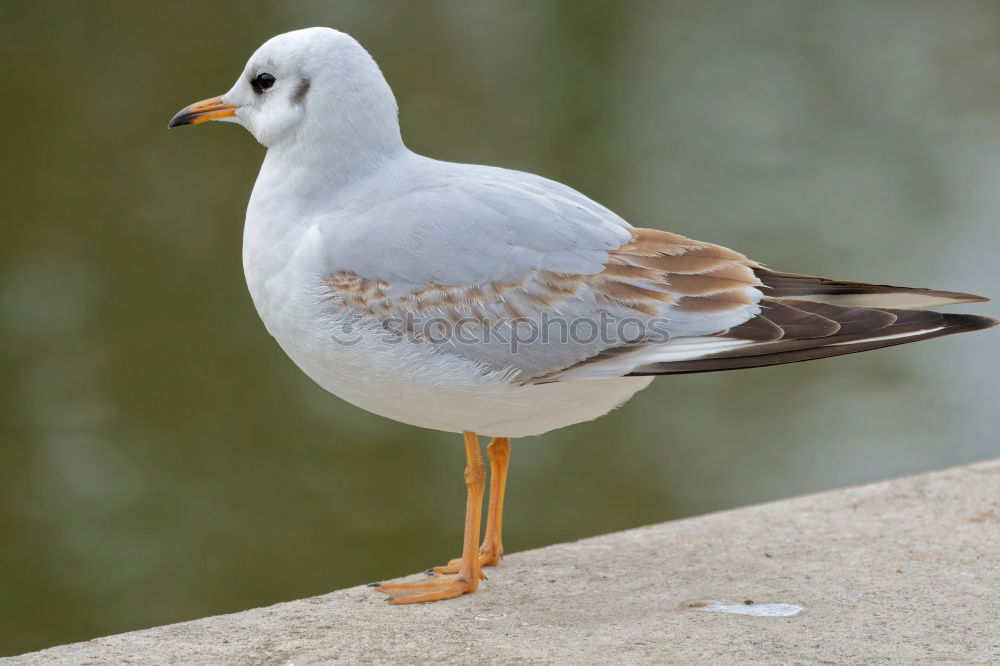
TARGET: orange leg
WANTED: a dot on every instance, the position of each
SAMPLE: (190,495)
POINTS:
(469,572)
(491,551)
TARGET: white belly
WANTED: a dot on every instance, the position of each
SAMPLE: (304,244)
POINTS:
(414,383)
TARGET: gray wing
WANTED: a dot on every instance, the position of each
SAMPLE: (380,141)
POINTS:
(522,274)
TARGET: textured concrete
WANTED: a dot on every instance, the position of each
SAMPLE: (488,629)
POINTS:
(904,571)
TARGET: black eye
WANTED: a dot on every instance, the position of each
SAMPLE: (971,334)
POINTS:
(262,82)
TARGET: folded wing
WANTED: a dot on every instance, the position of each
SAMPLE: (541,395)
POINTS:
(527,277)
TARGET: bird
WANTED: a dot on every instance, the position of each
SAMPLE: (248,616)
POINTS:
(491,302)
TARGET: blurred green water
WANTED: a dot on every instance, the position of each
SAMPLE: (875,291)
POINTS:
(161,460)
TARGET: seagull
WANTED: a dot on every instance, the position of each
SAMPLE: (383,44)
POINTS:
(485,301)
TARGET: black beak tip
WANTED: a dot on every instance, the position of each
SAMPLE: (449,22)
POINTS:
(182,117)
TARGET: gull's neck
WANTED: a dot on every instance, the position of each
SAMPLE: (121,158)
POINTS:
(297,178)
(320,161)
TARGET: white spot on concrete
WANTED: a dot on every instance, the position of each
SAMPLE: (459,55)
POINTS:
(744,608)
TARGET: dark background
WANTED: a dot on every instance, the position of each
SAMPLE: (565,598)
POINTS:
(160,459)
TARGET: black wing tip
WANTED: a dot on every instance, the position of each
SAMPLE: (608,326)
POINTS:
(917,327)
(779,284)
(969,322)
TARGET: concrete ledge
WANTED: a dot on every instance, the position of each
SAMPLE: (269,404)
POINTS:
(904,571)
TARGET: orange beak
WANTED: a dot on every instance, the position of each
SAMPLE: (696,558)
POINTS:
(205,110)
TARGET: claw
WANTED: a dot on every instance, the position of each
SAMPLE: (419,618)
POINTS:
(413,593)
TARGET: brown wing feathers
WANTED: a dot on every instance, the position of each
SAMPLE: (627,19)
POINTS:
(805,317)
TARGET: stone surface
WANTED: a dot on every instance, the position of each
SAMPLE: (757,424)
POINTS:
(904,571)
